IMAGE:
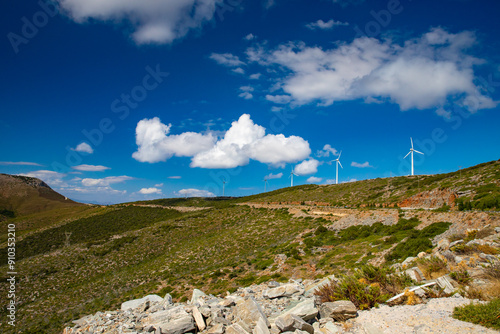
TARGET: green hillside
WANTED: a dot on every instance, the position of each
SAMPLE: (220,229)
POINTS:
(126,251)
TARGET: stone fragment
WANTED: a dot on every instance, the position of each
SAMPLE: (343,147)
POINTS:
(290,322)
(216,329)
(285,290)
(248,312)
(338,310)
(261,327)
(305,310)
(196,295)
(444,283)
(415,274)
(198,318)
(443,244)
(457,242)
(236,329)
(135,303)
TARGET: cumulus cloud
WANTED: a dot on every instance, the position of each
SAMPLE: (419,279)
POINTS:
(83,147)
(320,24)
(195,193)
(105,182)
(155,144)
(246,140)
(149,191)
(255,76)
(425,72)
(272,176)
(314,179)
(325,152)
(226,59)
(307,167)
(152,21)
(361,165)
(246,92)
(90,168)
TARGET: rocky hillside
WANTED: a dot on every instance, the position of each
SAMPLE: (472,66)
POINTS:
(22,195)
(299,306)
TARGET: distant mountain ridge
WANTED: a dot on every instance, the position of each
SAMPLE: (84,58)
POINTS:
(22,195)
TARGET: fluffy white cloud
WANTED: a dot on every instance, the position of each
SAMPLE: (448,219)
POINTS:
(155,144)
(361,165)
(250,36)
(320,24)
(246,140)
(195,193)
(424,72)
(227,59)
(255,76)
(153,21)
(314,179)
(307,167)
(105,182)
(325,152)
(83,147)
(272,176)
(246,92)
(90,168)
(149,191)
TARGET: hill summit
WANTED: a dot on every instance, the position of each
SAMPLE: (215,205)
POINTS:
(22,195)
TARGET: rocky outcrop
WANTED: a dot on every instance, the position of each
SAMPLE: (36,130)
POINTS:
(432,199)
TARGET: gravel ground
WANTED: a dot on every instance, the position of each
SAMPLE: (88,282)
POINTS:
(433,317)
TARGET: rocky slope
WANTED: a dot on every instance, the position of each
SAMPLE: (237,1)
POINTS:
(24,195)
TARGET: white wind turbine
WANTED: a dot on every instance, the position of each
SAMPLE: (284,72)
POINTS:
(411,152)
(337,162)
(291,176)
(223,186)
(265,184)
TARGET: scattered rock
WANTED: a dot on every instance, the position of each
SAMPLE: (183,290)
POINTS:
(338,310)
(135,303)
(290,322)
(305,310)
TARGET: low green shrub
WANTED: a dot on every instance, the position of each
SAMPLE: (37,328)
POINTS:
(487,315)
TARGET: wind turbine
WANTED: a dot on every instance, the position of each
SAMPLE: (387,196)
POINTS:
(223,186)
(291,176)
(411,152)
(265,184)
(338,163)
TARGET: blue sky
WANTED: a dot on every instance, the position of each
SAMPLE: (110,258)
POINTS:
(119,100)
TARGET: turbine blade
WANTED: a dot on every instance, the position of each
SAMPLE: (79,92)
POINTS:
(407,155)
(411,139)
(341,165)
(417,151)
(339,154)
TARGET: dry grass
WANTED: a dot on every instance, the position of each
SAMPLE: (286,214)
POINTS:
(433,267)
(486,249)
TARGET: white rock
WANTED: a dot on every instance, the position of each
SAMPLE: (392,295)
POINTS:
(135,303)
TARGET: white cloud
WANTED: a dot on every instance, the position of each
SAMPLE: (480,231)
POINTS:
(149,191)
(307,167)
(175,177)
(280,99)
(83,147)
(325,152)
(155,144)
(272,176)
(250,37)
(246,92)
(255,76)
(320,24)
(246,95)
(90,168)
(227,59)
(238,70)
(361,165)
(54,179)
(246,140)
(314,179)
(105,182)
(152,21)
(158,185)
(18,163)
(425,72)
(195,193)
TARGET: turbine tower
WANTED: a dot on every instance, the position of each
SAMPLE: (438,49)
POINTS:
(291,176)
(411,152)
(265,184)
(223,186)
(337,162)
